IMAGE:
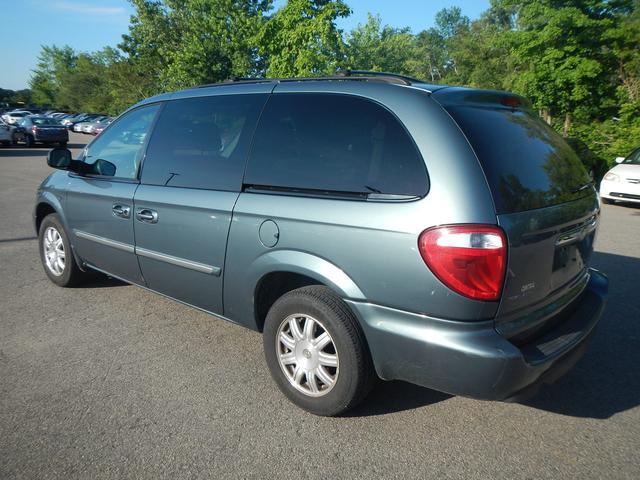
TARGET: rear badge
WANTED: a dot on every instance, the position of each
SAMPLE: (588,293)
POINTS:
(527,287)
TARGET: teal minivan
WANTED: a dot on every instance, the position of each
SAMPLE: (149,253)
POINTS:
(368,225)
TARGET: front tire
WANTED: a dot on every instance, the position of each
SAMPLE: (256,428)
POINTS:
(56,255)
(316,351)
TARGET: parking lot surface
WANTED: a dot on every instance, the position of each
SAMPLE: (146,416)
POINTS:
(111,381)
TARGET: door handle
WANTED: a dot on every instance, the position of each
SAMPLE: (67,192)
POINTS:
(147,215)
(122,211)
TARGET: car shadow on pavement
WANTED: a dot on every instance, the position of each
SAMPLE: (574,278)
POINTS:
(17,239)
(36,150)
(630,205)
(23,152)
(396,396)
(606,380)
(99,280)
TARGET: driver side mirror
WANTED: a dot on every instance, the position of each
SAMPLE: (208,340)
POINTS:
(104,167)
(59,158)
(619,159)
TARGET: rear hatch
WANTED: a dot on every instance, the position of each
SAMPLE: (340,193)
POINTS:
(544,201)
(51,131)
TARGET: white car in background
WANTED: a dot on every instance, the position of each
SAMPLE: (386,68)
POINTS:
(14,117)
(6,137)
(622,182)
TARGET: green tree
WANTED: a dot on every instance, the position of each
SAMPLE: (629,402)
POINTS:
(372,46)
(47,78)
(301,38)
(481,58)
(431,55)
(435,57)
(11,97)
(189,42)
(559,59)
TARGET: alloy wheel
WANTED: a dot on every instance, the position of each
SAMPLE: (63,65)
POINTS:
(54,254)
(307,355)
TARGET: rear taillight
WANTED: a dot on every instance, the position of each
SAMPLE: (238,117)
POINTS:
(34,129)
(469,259)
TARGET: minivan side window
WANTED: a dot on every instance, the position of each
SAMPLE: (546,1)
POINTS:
(122,144)
(334,143)
(202,142)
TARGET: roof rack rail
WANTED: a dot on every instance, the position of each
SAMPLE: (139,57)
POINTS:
(342,75)
(370,73)
(236,80)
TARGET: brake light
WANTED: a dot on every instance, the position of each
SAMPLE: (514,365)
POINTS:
(513,102)
(469,259)
(34,129)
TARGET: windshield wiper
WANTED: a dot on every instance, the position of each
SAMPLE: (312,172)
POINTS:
(582,187)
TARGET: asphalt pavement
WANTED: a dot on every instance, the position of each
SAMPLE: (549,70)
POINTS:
(111,381)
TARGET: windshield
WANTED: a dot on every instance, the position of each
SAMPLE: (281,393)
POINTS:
(44,121)
(634,158)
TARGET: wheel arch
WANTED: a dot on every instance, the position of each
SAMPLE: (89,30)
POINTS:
(282,271)
(42,210)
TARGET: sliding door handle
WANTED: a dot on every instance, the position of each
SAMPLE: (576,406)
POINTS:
(147,215)
(121,211)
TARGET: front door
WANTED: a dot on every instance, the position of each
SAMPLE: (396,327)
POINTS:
(190,181)
(100,203)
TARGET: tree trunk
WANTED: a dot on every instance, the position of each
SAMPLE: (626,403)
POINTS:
(546,115)
(567,125)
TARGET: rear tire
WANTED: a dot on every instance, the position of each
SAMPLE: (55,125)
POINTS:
(323,375)
(56,255)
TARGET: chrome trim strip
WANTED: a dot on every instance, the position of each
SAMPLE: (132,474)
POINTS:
(180,262)
(143,252)
(105,241)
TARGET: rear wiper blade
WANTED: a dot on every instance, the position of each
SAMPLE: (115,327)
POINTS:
(372,189)
(582,187)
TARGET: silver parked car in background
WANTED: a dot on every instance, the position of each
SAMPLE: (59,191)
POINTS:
(6,137)
(91,126)
(14,117)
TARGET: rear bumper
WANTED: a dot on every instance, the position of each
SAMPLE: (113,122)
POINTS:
(473,359)
(52,138)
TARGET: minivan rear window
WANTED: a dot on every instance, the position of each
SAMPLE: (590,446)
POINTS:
(527,164)
(334,143)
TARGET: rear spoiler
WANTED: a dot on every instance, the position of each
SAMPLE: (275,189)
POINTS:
(480,98)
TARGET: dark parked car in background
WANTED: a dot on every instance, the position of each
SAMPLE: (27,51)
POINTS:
(36,129)
(367,226)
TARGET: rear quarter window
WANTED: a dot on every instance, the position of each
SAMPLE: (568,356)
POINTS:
(334,143)
(527,164)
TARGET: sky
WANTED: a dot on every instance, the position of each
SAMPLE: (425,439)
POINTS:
(90,25)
